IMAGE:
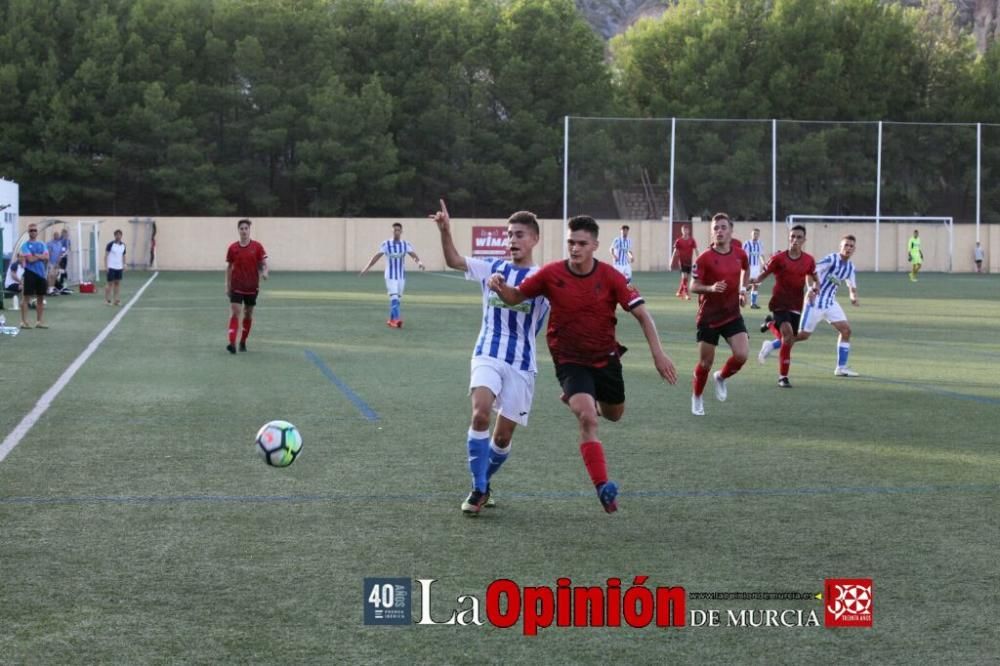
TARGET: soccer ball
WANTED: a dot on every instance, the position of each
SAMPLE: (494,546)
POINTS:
(279,443)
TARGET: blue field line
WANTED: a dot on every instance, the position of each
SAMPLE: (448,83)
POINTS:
(362,406)
(446,496)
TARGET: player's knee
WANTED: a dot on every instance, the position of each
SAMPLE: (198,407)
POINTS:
(480,419)
(502,439)
(587,419)
(613,412)
(738,360)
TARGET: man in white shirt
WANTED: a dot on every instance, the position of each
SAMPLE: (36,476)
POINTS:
(114,262)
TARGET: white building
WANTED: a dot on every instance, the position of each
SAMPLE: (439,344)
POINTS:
(10,197)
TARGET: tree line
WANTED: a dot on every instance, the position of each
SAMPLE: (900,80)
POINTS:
(378,107)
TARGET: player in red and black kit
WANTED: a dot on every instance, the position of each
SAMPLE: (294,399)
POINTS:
(719,280)
(583,294)
(246,263)
(792,269)
(685,250)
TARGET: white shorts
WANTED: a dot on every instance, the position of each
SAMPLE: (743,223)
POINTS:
(625,270)
(755,272)
(395,286)
(514,389)
(812,316)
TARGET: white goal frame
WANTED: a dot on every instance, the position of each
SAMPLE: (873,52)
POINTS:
(948,222)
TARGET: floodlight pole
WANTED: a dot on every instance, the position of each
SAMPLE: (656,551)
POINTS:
(670,204)
(979,175)
(878,194)
(774,183)
(565,181)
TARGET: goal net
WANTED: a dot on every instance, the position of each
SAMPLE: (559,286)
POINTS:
(881,241)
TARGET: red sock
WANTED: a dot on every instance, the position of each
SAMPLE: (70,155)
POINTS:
(731,367)
(682,285)
(233,324)
(785,356)
(593,459)
(247,323)
(774,330)
(700,379)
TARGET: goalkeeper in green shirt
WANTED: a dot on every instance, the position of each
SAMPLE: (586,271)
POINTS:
(915,255)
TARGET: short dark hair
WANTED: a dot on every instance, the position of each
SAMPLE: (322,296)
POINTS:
(722,216)
(849,237)
(527,218)
(625,227)
(584,223)
(799,227)
(117,231)
(244,221)
(397,224)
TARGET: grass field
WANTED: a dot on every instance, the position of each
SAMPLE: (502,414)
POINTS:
(138,525)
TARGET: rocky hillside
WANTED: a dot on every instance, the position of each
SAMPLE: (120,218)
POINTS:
(610,17)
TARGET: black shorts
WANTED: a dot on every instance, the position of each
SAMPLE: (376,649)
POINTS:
(249,300)
(63,261)
(34,285)
(711,335)
(115,274)
(685,268)
(792,318)
(605,384)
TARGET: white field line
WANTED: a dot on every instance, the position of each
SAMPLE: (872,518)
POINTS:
(22,429)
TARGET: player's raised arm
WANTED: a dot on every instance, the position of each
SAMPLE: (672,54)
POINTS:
(451,255)
(664,366)
(508,294)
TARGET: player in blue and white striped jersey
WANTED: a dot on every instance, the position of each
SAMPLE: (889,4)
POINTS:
(832,270)
(621,253)
(503,359)
(754,249)
(395,250)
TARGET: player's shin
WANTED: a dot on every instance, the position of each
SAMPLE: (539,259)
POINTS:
(594,461)
(785,358)
(699,380)
(843,351)
(479,458)
(732,366)
(497,458)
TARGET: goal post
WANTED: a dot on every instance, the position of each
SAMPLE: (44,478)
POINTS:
(882,240)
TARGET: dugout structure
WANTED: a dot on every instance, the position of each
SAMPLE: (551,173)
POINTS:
(84,258)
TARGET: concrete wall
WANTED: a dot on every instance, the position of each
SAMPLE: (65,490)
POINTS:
(346,244)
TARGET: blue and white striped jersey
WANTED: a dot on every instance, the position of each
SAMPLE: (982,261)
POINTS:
(395,252)
(832,270)
(508,331)
(755,252)
(622,247)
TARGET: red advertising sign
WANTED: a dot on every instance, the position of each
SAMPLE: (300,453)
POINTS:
(489,242)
